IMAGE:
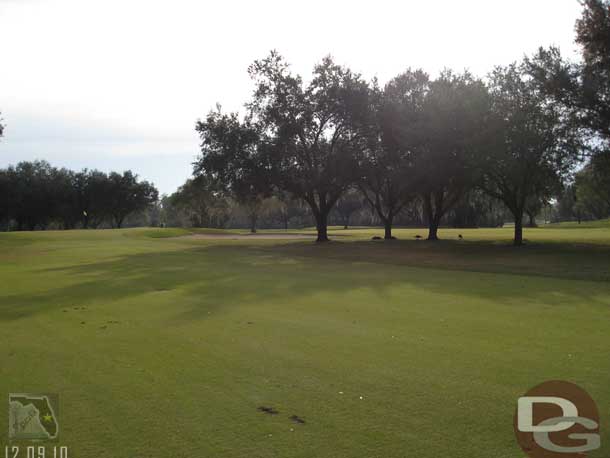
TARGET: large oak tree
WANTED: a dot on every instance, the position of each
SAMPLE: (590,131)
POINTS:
(441,126)
(387,180)
(534,147)
(315,129)
(236,159)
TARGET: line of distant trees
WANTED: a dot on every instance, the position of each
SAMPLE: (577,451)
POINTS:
(36,196)
(197,205)
(516,136)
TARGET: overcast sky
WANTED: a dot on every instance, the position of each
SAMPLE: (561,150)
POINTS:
(118,84)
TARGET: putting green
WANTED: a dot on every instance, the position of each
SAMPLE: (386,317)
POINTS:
(160,345)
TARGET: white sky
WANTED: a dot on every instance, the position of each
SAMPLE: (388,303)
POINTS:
(117,84)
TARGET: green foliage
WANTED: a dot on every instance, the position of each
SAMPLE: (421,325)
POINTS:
(386,166)
(593,186)
(31,198)
(201,203)
(233,156)
(533,147)
(127,194)
(316,130)
(568,206)
(476,209)
(447,140)
(34,195)
(582,88)
(283,207)
(347,204)
(593,35)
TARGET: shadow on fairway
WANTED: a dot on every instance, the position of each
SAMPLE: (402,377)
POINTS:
(558,260)
(217,276)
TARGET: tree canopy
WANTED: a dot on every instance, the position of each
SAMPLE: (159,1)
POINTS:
(315,131)
(534,145)
(593,36)
(446,138)
(582,88)
(387,165)
(235,158)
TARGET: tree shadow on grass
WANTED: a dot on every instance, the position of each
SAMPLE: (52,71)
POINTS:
(218,276)
(565,260)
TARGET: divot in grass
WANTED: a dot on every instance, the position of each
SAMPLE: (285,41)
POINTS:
(267,410)
(297,419)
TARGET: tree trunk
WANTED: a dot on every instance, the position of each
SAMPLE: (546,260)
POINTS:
(322,227)
(253,219)
(433,217)
(518,240)
(388,229)
(433,230)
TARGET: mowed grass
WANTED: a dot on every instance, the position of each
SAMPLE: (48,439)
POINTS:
(162,346)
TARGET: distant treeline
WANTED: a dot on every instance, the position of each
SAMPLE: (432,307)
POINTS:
(35,195)
(196,204)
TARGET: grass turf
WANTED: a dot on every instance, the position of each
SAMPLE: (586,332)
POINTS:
(166,346)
